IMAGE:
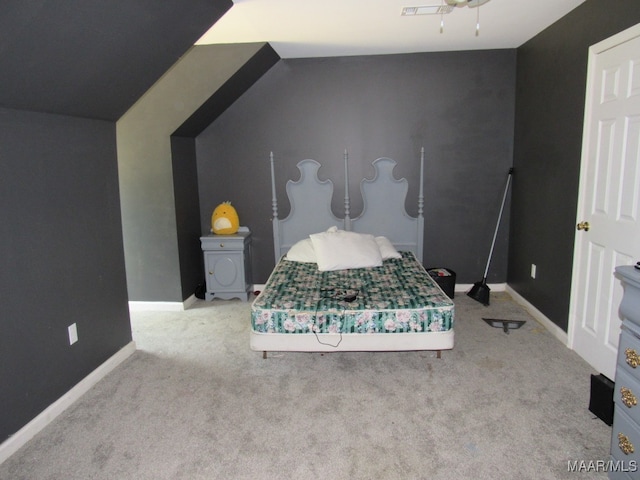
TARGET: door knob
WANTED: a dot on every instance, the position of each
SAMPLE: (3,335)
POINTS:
(583,226)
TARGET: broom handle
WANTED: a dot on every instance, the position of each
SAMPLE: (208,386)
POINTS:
(495,234)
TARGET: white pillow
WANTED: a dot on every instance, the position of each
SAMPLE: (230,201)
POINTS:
(387,250)
(302,251)
(340,250)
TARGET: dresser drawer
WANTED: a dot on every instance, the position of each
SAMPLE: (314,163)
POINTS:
(625,440)
(626,394)
(621,472)
(629,354)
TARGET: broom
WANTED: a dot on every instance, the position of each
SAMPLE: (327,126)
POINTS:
(480,290)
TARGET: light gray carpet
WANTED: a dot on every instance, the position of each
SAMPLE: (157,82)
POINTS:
(195,403)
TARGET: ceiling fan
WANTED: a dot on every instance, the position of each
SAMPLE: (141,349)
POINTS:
(466,3)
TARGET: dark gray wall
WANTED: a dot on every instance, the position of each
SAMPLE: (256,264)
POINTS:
(91,58)
(551,84)
(62,258)
(71,64)
(184,163)
(185,192)
(158,192)
(458,105)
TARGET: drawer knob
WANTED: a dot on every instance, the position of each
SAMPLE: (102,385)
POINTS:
(633,360)
(222,245)
(625,445)
(628,398)
(210,272)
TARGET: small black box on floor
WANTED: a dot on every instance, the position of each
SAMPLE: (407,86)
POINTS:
(444,277)
(601,401)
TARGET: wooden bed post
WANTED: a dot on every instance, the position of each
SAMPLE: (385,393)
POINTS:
(421,208)
(347,203)
(274,207)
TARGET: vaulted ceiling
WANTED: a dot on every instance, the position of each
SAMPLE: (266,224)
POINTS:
(320,28)
(95,58)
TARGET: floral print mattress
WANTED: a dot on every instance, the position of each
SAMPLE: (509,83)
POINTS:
(397,297)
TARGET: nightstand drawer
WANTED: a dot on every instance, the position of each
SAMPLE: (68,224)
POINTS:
(223,242)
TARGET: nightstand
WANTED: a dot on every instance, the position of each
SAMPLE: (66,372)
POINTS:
(227,265)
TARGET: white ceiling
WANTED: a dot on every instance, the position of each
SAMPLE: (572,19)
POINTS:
(326,28)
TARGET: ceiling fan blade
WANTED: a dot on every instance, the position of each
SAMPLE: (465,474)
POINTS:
(466,3)
(476,3)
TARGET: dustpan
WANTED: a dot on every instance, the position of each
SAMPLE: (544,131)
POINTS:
(480,292)
(506,325)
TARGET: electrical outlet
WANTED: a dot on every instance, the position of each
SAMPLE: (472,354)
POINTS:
(533,270)
(73,334)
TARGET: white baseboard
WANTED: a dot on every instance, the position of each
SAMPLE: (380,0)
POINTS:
(555,330)
(520,300)
(494,287)
(189,301)
(26,433)
(162,306)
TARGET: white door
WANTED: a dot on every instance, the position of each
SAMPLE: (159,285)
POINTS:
(609,198)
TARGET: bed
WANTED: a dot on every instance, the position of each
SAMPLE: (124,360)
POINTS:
(350,284)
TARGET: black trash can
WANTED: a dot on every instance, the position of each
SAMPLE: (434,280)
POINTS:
(445,278)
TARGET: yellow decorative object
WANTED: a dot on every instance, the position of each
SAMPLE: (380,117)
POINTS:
(224,220)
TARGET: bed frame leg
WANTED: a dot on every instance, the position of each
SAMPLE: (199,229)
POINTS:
(439,354)
(264,354)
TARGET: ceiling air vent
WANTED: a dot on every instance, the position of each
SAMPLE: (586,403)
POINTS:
(426,10)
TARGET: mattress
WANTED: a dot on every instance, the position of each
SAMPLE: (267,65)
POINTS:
(397,297)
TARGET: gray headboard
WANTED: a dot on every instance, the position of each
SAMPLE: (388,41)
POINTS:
(383,207)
